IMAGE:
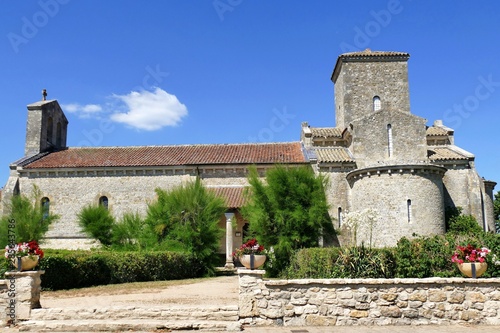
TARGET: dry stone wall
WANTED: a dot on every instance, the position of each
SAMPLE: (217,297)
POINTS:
(341,302)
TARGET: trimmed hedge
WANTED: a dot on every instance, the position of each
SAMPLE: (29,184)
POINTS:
(77,269)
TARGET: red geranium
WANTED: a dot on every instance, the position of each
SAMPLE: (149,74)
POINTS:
(252,246)
(470,253)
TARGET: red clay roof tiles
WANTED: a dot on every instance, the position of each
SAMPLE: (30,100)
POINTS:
(253,153)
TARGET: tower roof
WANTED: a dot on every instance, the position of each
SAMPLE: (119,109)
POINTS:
(367,56)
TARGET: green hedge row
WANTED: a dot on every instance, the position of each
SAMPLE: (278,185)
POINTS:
(417,258)
(76,269)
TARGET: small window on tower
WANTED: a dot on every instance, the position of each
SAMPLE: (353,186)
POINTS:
(339,213)
(376,103)
(409,210)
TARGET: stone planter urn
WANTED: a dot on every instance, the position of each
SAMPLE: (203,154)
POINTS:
(252,263)
(473,269)
(27,262)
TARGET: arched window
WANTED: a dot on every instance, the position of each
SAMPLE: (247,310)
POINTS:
(50,130)
(45,203)
(339,216)
(58,134)
(377,105)
(389,139)
(103,201)
(408,209)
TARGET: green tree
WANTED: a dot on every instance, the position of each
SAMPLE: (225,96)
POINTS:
(187,217)
(25,218)
(287,212)
(97,221)
(133,233)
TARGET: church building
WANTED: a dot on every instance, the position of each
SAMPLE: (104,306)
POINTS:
(379,157)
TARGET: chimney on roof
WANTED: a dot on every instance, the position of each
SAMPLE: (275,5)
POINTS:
(438,123)
(44,94)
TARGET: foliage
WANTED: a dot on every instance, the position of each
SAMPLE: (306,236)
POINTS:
(25,218)
(470,253)
(133,233)
(464,224)
(287,213)
(347,262)
(250,247)
(76,269)
(187,218)
(97,221)
(30,248)
(424,257)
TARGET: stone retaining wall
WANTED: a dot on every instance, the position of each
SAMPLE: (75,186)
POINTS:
(330,302)
(4,301)
(19,294)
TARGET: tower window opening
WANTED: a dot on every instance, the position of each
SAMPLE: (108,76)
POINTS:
(389,140)
(340,216)
(408,209)
(377,105)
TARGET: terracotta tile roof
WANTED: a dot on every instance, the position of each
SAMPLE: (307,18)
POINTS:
(436,131)
(333,155)
(326,132)
(447,153)
(254,153)
(232,195)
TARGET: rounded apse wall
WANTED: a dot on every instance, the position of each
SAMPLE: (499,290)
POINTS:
(405,200)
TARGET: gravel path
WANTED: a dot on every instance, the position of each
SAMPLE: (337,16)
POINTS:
(216,291)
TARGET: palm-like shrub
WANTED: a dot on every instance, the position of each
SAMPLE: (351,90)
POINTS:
(25,218)
(97,222)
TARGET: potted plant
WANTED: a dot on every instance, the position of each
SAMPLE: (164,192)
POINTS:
(24,256)
(471,261)
(251,254)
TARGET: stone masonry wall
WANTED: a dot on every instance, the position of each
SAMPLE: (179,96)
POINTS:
(388,194)
(359,82)
(126,190)
(342,302)
(4,301)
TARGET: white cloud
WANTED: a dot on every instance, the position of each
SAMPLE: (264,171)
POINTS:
(150,111)
(83,111)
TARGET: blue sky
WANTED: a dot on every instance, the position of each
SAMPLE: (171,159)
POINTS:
(235,71)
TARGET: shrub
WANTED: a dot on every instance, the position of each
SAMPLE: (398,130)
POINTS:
(348,262)
(464,224)
(133,233)
(77,269)
(97,221)
(30,221)
(187,218)
(287,212)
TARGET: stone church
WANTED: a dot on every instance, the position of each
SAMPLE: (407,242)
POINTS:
(379,157)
